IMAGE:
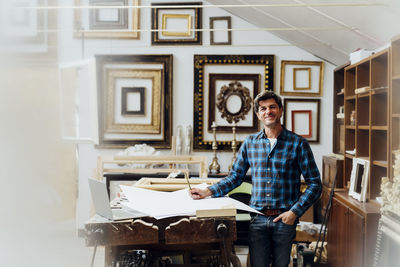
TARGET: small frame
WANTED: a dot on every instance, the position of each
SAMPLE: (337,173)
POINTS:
(112,20)
(221,30)
(133,101)
(302,122)
(231,100)
(149,121)
(179,24)
(301,78)
(301,116)
(231,67)
(359,179)
(107,18)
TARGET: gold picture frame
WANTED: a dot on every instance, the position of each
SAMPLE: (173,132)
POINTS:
(297,79)
(165,31)
(111,126)
(142,71)
(292,86)
(82,21)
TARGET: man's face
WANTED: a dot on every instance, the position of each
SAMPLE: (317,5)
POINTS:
(269,112)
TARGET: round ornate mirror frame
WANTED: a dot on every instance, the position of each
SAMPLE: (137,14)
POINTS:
(234,89)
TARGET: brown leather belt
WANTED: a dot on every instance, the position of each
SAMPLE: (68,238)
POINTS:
(271,212)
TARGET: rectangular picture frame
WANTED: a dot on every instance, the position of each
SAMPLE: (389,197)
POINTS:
(125,101)
(305,121)
(359,179)
(218,107)
(134,70)
(176,14)
(226,64)
(216,33)
(301,78)
(126,27)
(307,106)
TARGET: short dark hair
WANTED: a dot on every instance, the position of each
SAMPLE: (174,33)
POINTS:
(264,96)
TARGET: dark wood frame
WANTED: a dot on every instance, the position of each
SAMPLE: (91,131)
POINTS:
(228,19)
(167,62)
(309,112)
(124,99)
(304,100)
(200,61)
(197,23)
(213,77)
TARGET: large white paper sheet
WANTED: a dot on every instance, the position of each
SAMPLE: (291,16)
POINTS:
(179,203)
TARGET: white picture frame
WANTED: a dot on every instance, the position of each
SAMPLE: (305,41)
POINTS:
(359,179)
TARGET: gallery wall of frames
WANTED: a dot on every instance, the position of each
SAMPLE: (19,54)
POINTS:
(160,69)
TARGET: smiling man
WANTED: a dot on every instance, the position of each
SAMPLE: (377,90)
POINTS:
(277,158)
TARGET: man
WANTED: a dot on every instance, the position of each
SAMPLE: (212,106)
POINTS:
(277,158)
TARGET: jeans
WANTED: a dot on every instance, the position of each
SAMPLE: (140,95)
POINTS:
(270,242)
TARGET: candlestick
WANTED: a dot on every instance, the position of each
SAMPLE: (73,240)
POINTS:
(214,166)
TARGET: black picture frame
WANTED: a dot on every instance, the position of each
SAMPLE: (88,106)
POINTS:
(180,7)
(265,62)
(124,100)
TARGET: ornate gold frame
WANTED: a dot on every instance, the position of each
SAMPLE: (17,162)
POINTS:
(110,125)
(234,88)
(165,32)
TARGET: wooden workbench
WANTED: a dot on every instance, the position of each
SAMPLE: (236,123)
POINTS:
(189,237)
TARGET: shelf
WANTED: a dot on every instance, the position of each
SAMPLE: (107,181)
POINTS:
(363,127)
(380,128)
(363,95)
(395,115)
(350,127)
(349,156)
(379,90)
(352,97)
(396,77)
(380,163)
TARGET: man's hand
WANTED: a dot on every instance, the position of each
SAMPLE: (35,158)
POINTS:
(197,193)
(288,217)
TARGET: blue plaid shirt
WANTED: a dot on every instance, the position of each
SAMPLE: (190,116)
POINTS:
(275,174)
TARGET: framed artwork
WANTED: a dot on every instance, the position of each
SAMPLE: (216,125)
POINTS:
(302,78)
(234,73)
(220,30)
(113,19)
(230,99)
(301,116)
(179,24)
(359,179)
(134,100)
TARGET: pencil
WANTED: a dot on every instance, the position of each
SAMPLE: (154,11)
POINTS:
(187,180)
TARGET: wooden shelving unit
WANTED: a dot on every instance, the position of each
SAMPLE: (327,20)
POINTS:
(367,94)
(338,101)
(394,110)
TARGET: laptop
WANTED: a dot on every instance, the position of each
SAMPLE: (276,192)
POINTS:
(102,206)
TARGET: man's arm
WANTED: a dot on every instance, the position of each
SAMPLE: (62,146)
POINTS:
(311,176)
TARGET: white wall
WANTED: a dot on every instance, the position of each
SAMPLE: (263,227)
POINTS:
(243,42)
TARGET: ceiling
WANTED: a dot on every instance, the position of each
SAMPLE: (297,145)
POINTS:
(329,29)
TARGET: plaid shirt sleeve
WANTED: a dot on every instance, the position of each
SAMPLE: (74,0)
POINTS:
(311,175)
(236,175)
